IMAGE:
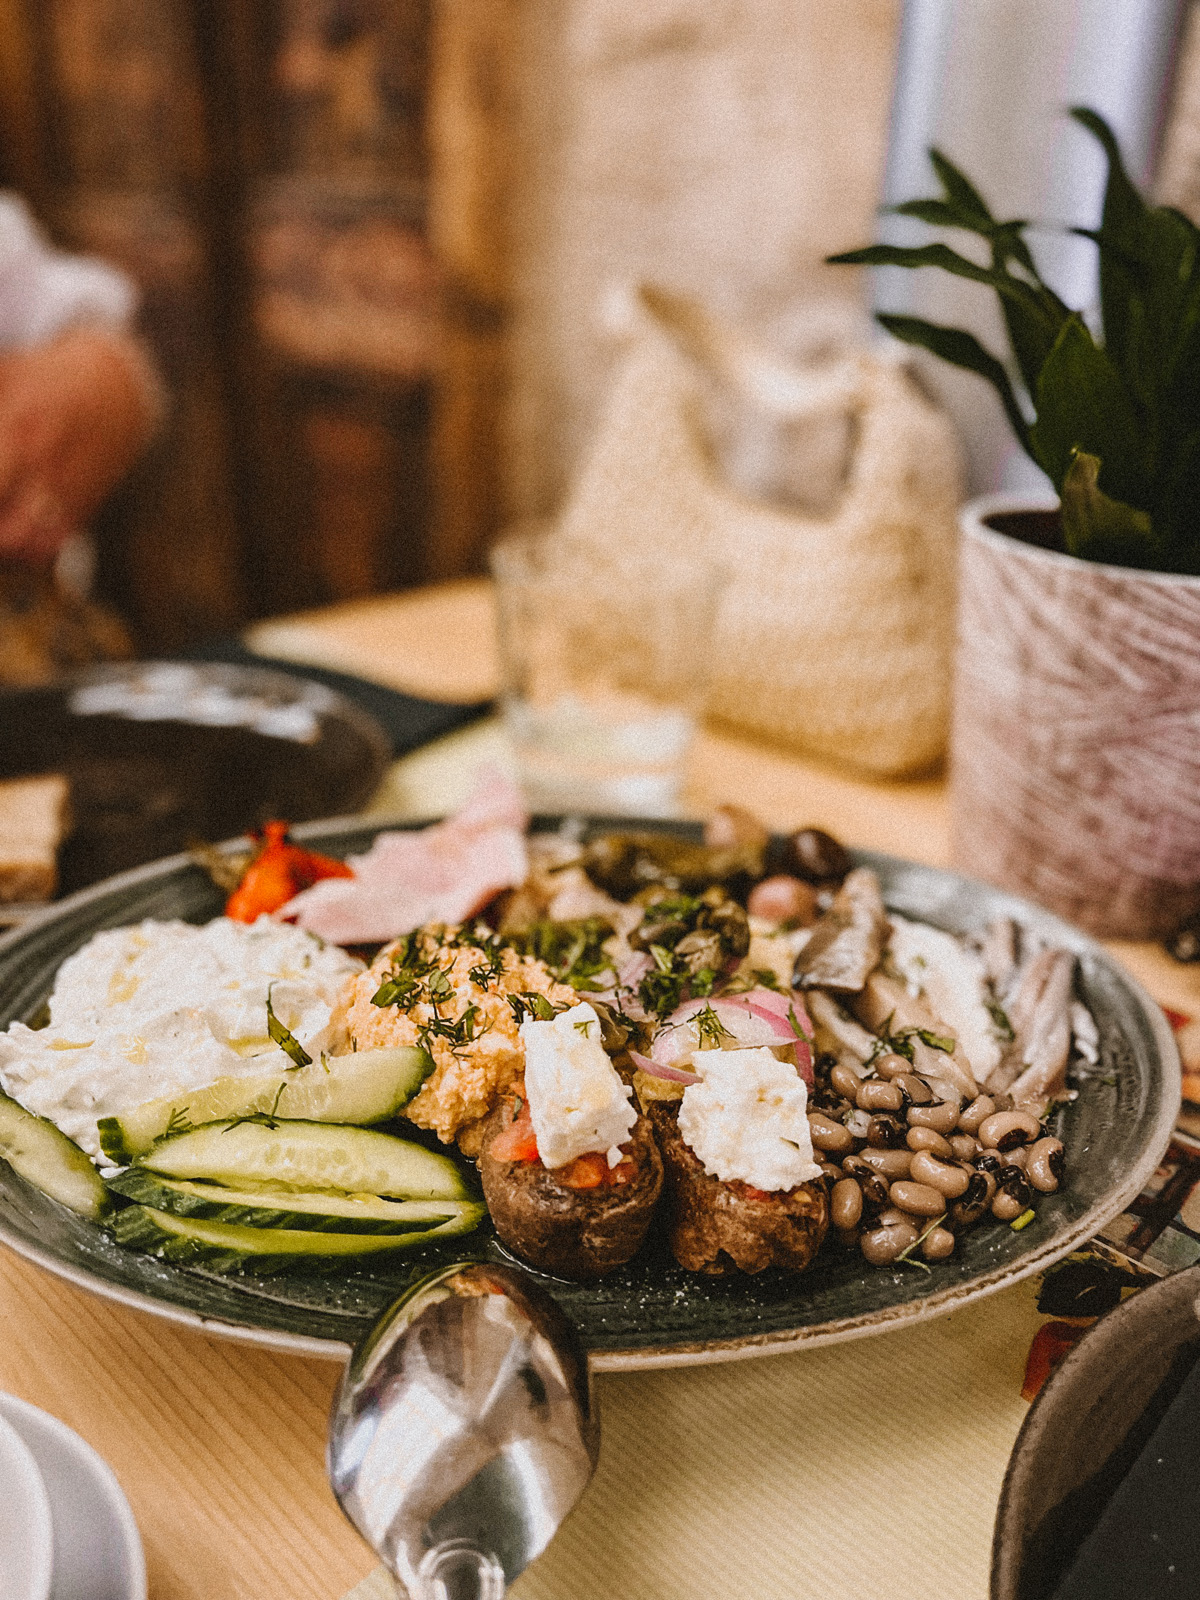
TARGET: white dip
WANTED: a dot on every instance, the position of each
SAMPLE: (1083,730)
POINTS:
(146,1011)
(576,1098)
(952,978)
(748,1119)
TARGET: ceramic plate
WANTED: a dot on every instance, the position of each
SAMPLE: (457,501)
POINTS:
(97,1549)
(651,1313)
(160,753)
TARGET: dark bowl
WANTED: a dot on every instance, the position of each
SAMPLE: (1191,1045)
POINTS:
(1080,1433)
(160,754)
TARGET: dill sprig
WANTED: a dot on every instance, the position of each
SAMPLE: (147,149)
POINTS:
(284,1038)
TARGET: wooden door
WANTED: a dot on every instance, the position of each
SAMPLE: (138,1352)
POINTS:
(261,170)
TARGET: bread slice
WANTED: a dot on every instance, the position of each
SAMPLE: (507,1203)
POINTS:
(33,821)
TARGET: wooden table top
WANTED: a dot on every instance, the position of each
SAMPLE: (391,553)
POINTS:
(220,1446)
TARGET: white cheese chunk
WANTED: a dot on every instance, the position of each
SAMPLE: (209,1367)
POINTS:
(747,1119)
(576,1099)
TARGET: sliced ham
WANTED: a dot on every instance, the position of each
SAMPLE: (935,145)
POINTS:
(443,873)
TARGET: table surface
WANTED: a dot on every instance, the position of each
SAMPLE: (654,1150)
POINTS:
(220,1446)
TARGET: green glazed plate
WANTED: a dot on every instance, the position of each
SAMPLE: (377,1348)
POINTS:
(651,1313)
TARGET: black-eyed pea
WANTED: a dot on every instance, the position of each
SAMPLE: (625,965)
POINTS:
(1005,1130)
(828,1135)
(891,1164)
(982,1106)
(873,1184)
(963,1147)
(881,1246)
(876,1095)
(920,1198)
(929,1139)
(938,1244)
(891,1066)
(846,1204)
(942,1117)
(949,1180)
(885,1131)
(976,1199)
(1006,1207)
(1013,1181)
(1044,1165)
(845,1080)
(918,1091)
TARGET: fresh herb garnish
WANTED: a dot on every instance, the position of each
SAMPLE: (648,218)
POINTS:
(528,1004)
(1023,1220)
(766,979)
(1000,1019)
(265,1118)
(710,1028)
(573,950)
(584,1026)
(901,1042)
(285,1039)
(178,1122)
(796,1028)
(906,1255)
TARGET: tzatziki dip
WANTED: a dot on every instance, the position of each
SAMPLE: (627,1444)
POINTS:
(146,1011)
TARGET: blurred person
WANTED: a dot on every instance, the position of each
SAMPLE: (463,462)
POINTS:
(79,397)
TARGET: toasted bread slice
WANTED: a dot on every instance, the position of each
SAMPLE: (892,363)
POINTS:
(33,821)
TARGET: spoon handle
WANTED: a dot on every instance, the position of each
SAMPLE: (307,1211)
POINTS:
(455,1570)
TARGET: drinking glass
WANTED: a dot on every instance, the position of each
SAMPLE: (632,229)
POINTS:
(605,663)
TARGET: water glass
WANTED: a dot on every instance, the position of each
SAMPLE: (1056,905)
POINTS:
(605,662)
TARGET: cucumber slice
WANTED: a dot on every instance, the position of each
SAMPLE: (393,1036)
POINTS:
(277,1208)
(308,1155)
(56,1165)
(218,1245)
(367,1086)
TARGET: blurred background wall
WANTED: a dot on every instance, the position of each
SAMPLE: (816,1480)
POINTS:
(379,240)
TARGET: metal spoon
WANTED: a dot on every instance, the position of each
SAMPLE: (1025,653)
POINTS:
(463,1431)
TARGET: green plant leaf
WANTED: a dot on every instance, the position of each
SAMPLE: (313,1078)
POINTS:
(1083,405)
(1097,527)
(1122,221)
(1149,296)
(958,188)
(1176,512)
(1034,315)
(964,350)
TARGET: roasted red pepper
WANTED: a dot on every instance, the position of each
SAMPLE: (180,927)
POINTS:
(278,872)
(517,1142)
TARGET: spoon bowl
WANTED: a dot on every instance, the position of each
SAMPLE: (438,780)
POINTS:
(463,1431)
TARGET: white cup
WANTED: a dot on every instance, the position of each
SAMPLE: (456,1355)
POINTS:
(26,1534)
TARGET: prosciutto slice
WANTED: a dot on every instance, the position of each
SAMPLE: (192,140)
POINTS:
(443,873)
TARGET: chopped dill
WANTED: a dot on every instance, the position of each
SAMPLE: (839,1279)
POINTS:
(285,1039)
(710,1028)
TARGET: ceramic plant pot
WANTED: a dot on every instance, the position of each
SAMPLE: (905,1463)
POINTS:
(1075,750)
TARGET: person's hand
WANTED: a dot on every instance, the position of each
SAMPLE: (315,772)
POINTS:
(75,414)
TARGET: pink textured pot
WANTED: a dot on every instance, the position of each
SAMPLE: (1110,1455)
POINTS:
(1075,750)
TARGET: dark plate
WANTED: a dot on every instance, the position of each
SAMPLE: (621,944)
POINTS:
(161,753)
(651,1313)
(1078,1437)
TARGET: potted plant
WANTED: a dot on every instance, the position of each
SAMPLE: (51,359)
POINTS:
(1075,752)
